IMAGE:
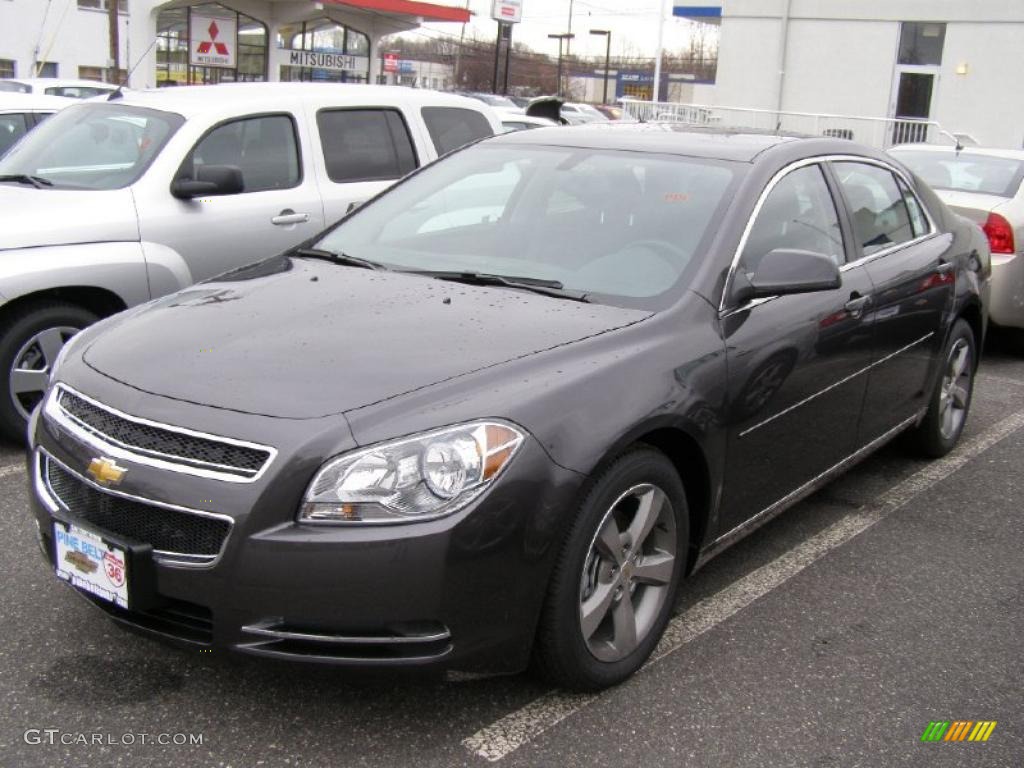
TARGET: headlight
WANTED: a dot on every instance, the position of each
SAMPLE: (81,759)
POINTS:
(419,478)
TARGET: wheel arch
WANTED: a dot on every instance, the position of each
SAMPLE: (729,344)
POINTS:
(973,315)
(102,302)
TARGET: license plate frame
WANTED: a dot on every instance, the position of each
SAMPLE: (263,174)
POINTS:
(129,583)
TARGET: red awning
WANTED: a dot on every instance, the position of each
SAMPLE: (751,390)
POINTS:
(429,11)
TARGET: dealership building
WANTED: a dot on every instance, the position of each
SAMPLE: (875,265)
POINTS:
(170,42)
(953,62)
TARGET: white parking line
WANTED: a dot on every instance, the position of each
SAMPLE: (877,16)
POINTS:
(11,469)
(504,736)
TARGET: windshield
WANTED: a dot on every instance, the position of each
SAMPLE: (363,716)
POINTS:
(965,172)
(96,145)
(621,227)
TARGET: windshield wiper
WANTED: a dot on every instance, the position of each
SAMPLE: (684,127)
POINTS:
(23,178)
(537,285)
(338,258)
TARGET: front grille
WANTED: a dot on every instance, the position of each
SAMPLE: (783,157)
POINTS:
(174,618)
(245,461)
(169,531)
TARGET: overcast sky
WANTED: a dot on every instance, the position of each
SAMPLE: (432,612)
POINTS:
(634,25)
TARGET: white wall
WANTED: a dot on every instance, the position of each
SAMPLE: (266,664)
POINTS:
(70,36)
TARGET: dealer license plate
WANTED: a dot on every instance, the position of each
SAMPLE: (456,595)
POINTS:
(91,564)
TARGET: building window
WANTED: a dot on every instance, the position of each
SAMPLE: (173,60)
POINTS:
(172,60)
(90,73)
(921,43)
(46,69)
(6,68)
(103,5)
(326,36)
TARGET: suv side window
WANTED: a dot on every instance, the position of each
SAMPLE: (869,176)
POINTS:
(12,127)
(454,127)
(877,207)
(264,148)
(365,144)
(798,213)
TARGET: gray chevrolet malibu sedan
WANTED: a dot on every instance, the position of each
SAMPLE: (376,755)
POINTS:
(498,413)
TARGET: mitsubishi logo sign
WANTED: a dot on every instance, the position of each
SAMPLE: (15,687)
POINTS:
(212,41)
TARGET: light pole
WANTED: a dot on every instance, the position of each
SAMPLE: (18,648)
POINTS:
(560,37)
(607,57)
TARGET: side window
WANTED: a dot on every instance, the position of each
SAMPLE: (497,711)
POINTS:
(263,148)
(454,127)
(917,218)
(12,128)
(365,144)
(798,213)
(877,207)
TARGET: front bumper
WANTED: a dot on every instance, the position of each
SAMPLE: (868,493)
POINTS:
(463,592)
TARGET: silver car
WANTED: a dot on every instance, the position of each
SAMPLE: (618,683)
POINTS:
(985,186)
(111,203)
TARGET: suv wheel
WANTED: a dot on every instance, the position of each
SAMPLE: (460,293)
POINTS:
(29,344)
(614,585)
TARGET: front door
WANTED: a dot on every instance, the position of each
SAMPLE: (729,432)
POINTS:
(796,363)
(278,208)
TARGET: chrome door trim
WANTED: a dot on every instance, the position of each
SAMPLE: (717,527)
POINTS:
(803,491)
(832,386)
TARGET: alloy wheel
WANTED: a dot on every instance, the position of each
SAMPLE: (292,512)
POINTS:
(30,372)
(956,389)
(628,572)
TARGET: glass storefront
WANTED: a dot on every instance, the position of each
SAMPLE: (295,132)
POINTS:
(172,51)
(324,51)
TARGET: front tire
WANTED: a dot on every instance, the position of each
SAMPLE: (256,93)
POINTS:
(947,412)
(614,585)
(30,341)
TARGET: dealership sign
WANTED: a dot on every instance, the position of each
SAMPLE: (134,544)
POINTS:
(339,62)
(507,11)
(213,41)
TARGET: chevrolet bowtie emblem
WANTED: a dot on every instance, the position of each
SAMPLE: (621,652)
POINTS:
(105,471)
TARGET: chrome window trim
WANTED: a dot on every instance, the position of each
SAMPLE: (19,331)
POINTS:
(803,163)
(161,555)
(101,442)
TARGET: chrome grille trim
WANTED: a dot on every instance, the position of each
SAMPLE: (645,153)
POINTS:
(50,496)
(55,410)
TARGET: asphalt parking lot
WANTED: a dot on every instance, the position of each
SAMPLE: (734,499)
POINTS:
(831,637)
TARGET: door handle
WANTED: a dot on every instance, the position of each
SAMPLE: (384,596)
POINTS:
(856,304)
(288,216)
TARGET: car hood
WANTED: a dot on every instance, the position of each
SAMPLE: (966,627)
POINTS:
(297,338)
(36,217)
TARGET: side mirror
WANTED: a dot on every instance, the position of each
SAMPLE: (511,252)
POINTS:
(784,271)
(210,180)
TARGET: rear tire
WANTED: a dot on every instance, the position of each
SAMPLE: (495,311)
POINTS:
(614,585)
(30,341)
(950,403)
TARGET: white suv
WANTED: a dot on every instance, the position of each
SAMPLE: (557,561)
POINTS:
(112,202)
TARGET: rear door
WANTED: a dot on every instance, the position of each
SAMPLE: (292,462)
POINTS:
(796,363)
(903,253)
(278,208)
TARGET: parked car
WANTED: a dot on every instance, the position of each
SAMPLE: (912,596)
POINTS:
(20,113)
(578,114)
(436,439)
(985,186)
(112,203)
(524,122)
(52,86)
(613,112)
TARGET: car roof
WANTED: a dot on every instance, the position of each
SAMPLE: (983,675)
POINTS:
(11,101)
(59,82)
(742,145)
(1013,154)
(245,97)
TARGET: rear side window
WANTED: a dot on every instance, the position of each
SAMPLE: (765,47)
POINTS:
(454,127)
(12,128)
(365,144)
(877,207)
(914,208)
(264,148)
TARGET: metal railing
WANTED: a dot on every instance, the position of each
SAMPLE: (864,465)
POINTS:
(880,132)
